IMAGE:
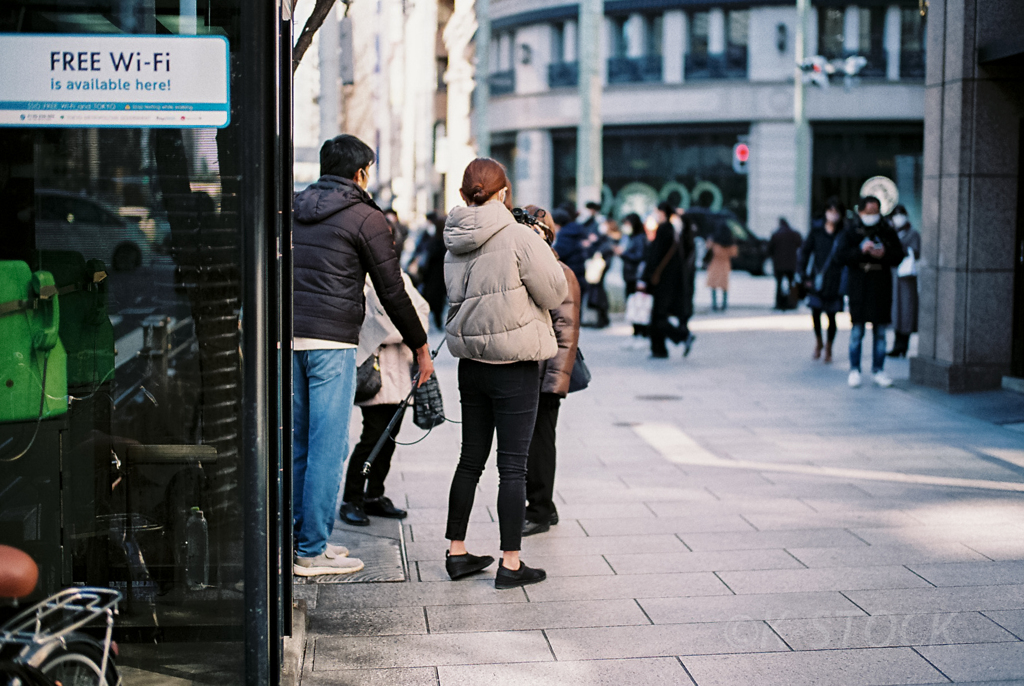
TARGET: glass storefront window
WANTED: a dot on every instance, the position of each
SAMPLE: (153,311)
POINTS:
(830,32)
(133,474)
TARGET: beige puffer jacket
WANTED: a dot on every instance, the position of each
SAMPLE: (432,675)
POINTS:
(502,280)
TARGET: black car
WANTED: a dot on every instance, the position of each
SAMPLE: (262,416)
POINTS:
(753,251)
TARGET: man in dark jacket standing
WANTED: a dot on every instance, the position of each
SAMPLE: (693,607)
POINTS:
(670,258)
(783,247)
(339,237)
(870,249)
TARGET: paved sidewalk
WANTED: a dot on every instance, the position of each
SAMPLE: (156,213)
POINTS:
(737,517)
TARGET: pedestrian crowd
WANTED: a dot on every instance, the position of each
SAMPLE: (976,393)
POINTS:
(510,287)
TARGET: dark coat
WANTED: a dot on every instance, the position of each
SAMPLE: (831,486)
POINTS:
(556,372)
(339,237)
(575,244)
(783,247)
(906,306)
(673,294)
(870,278)
(633,256)
(432,271)
(811,260)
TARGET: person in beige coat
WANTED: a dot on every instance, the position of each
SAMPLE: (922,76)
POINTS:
(722,247)
(362,495)
(502,281)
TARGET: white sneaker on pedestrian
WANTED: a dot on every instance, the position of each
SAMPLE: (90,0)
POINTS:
(882,379)
(339,550)
(327,562)
(853,379)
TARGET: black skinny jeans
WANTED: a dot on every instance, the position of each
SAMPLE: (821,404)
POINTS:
(832,327)
(375,423)
(540,468)
(500,397)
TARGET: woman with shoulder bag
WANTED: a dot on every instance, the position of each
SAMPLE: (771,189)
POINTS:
(555,375)
(502,280)
(905,303)
(379,341)
(823,275)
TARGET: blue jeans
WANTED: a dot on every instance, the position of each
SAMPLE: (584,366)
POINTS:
(325,387)
(877,348)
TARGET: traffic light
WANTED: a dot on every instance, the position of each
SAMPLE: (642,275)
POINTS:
(740,157)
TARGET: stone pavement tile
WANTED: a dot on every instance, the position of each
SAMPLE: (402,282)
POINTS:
(663,640)
(484,531)
(419,676)
(885,555)
(659,670)
(546,546)
(972,573)
(889,631)
(959,599)
(664,525)
(607,496)
(377,652)
(866,667)
(999,550)
(576,565)
(821,579)
(627,586)
(381,621)
(439,515)
(520,616)
(863,518)
(651,563)
(951,534)
(979,662)
(731,506)
(737,608)
(307,592)
(1011,620)
(820,489)
(462,592)
(601,511)
(750,540)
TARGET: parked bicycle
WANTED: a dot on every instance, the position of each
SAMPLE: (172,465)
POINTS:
(47,645)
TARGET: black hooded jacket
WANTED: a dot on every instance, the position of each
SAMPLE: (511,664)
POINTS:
(339,237)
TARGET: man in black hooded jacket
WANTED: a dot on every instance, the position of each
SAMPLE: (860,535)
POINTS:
(339,237)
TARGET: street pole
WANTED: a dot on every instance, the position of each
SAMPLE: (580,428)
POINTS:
(588,136)
(801,186)
(482,92)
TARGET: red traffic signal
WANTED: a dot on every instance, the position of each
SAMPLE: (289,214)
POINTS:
(742,152)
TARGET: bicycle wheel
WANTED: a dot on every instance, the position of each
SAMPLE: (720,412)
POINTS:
(22,675)
(77,663)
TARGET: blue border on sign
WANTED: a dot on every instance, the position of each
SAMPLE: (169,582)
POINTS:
(194,107)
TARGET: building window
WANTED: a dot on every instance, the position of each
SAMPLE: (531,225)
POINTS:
(737,32)
(697,43)
(502,79)
(653,31)
(912,42)
(830,32)
(871,29)
(557,42)
(562,73)
(620,41)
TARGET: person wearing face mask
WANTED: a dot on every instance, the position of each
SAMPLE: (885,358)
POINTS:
(503,280)
(822,274)
(870,249)
(339,237)
(905,306)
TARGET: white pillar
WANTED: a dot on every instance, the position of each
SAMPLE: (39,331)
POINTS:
(851,29)
(893,42)
(534,169)
(459,153)
(811,46)
(716,31)
(673,46)
(328,52)
(606,49)
(589,172)
(569,41)
(635,36)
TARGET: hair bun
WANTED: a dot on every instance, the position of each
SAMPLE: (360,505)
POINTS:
(482,179)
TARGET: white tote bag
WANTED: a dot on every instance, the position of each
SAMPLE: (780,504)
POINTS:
(638,308)
(908,267)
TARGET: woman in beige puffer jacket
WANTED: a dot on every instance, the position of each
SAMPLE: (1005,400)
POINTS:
(502,280)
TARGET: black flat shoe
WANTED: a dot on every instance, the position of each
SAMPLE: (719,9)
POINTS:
(531,528)
(352,513)
(688,345)
(459,566)
(554,518)
(521,577)
(383,507)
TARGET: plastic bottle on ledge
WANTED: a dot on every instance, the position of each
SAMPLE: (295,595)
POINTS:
(197,551)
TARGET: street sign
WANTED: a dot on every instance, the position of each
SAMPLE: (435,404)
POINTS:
(76,81)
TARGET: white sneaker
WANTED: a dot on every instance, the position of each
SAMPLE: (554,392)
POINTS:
(854,379)
(327,562)
(882,379)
